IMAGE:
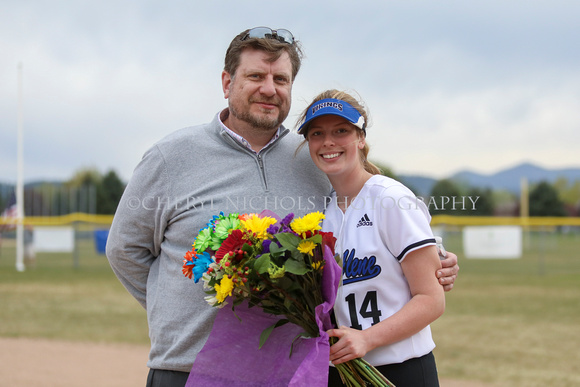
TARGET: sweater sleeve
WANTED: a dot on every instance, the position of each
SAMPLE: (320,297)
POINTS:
(137,230)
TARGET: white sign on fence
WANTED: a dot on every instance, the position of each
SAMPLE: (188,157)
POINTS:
(492,242)
(54,239)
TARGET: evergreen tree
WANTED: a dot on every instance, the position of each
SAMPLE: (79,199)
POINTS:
(82,190)
(109,193)
(482,202)
(568,192)
(446,199)
(85,177)
(544,201)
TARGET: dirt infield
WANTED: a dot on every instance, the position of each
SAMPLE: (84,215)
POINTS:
(33,362)
(47,363)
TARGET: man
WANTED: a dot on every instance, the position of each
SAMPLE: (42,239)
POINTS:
(243,161)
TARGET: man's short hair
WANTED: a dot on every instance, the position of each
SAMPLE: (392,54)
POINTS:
(273,47)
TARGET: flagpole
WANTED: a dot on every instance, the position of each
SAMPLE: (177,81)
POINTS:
(20,180)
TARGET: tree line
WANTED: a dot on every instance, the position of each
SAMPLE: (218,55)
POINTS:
(448,197)
(90,191)
(543,200)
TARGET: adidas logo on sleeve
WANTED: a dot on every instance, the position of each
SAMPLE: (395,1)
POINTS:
(364,221)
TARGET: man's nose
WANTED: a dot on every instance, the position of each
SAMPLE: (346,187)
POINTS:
(268,87)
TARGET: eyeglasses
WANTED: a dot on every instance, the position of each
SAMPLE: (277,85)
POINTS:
(281,35)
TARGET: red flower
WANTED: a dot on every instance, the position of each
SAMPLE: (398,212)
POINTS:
(188,263)
(328,239)
(233,243)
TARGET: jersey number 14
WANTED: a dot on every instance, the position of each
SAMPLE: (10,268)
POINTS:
(368,309)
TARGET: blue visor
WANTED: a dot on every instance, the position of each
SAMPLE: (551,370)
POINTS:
(335,107)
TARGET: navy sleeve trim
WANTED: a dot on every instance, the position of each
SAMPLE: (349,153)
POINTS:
(414,246)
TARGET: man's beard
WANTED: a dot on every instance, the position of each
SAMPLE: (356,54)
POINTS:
(265,123)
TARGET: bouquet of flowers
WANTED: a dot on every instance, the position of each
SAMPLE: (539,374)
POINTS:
(277,265)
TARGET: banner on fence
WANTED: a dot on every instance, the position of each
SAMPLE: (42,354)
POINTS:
(504,242)
(54,239)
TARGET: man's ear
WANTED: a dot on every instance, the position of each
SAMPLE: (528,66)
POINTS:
(226,83)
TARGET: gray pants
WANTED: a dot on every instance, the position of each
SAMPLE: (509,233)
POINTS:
(165,378)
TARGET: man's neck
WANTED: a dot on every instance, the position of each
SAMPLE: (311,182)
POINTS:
(256,138)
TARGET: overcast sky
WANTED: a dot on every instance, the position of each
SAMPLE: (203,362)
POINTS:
(451,85)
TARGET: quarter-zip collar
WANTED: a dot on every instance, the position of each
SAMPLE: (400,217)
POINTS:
(235,139)
(222,117)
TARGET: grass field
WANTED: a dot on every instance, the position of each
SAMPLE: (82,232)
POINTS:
(507,322)
(58,301)
(514,322)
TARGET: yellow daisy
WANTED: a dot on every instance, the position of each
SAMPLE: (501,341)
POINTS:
(224,288)
(306,247)
(309,222)
(258,225)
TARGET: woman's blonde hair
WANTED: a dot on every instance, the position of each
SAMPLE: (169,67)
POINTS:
(359,106)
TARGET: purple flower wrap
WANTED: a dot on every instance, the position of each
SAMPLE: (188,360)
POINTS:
(231,356)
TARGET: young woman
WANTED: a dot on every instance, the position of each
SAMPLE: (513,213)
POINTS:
(389,293)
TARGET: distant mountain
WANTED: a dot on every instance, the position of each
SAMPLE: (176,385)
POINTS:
(510,179)
(507,179)
(420,185)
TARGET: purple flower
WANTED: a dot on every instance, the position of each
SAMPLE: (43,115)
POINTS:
(266,246)
(285,223)
(272,229)
(287,219)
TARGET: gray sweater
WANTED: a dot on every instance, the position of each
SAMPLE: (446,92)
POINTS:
(181,182)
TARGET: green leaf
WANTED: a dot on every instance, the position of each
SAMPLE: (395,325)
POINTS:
(274,248)
(288,240)
(266,332)
(297,256)
(315,239)
(262,264)
(288,303)
(284,283)
(304,335)
(295,267)
(234,311)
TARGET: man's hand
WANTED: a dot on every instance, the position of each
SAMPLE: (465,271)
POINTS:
(448,273)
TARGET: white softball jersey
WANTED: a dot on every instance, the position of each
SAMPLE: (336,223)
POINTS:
(381,226)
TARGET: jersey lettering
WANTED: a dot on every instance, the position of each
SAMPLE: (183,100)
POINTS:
(356,269)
